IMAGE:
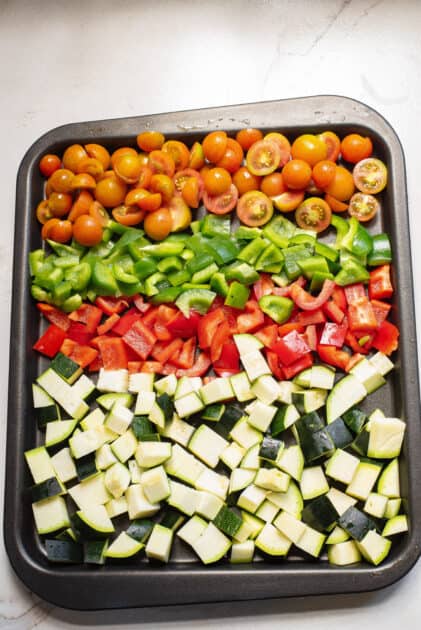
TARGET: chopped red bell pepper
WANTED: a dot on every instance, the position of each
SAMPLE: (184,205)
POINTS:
(134,367)
(286,291)
(184,327)
(54,315)
(113,352)
(207,327)
(353,360)
(50,342)
(380,284)
(108,324)
(298,366)
(140,304)
(110,305)
(361,316)
(221,336)
(273,362)
(140,339)
(310,336)
(264,286)
(168,368)
(96,364)
(333,312)
(89,315)
(200,367)
(339,297)
(308,302)
(185,358)
(126,321)
(229,361)
(170,348)
(267,335)
(332,356)
(150,317)
(152,367)
(333,334)
(161,331)
(354,292)
(82,355)
(291,348)
(306,318)
(252,319)
(284,329)
(381,310)
(352,341)
(386,338)
(79,333)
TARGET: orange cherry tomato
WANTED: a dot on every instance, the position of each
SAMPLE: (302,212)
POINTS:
(217,181)
(49,163)
(81,205)
(355,148)
(323,173)
(150,202)
(135,195)
(273,185)
(214,146)
(72,156)
(342,186)
(43,212)
(158,224)
(92,166)
(313,214)
(363,207)
(162,184)
(83,180)
(204,170)
(100,153)
(232,157)
(87,230)
(57,230)
(145,177)
(179,153)
(246,181)
(180,212)
(254,208)
(161,162)
(197,157)
(127,215)
(128,168)
(192,192)
(121,151)
(335,204)
(221,204)
(60,204)
(61,180)
(284,145)
(309,148)
(98,212)
(110,192)
(370,176)
(263,157)
(247,137)
(332,143)
(296,174)
(288,200)
(150,140)
(181,177)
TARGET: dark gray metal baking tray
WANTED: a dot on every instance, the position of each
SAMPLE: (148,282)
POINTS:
(184,580)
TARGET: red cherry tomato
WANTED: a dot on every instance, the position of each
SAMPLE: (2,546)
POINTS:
(333,145)
(49,163)
(254,208)
(313,214)
(370,176)
(263,157)
(363,207)
(221,204)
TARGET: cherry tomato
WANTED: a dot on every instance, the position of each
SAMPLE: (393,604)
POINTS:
(99,213)
(110,192)
(180,212)
(81,205)
(127,215)
(342,185)
(214,146)
(297,174)
(204,170)
(183,176)
(144,158)
(145,177)
(161,162)
(128,168)
(309,148)
(355,148)
(313,214)
(217,181)
(192,192)
(150,140)
(158,224)
(150,202)
(61,180)
(221,204)
(254,208)
(370,176)
(87,230)
(122,151)
(72,156)
(134,195)
(60,204)
(332,143)
(289,200)
(90,165)
(283,143)
(43,212)
(100,153)
(179,153)
(164,185)
(83,180)
(247,137)
(49,163)
(273,185)
(363,207)
(197,157)
(246,181)
(263,157)
(233,156)
(323,173)
(335,204)
(57,230)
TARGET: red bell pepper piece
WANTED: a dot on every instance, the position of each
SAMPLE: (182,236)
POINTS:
(96,364)
(82,355)
(185,357)
(110,305)
(200,367)
(50,342)
(291,348)
(126,321)
(152,367)
(113,353)
(333,312)
(151,316)
(353,360)
(361,316)
(306,318)
(267,335)
(108,324)
(89,315)
(252,319)
(286,291)
(310,336)
(380,284)
(184,327)
(79,333)
(339,297)
(333,334)
(354,292)
(168,368)
(308,302)
(298,366)
(386,338)
(171,348)
(273,362)
(352,341)
(54,315)
(221,336)
(161,331)
(140,339)
(140,304)
(229,361)
(332,356)
(284,329)
(207,327)
(381,310)
(134,367)
(264,286)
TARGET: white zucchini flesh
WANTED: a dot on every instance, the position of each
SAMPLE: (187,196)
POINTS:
(375,505)
(159,543)
(188,405)
(396,525)
(191,531)
(272,479)
(113,381)
(50,515)
(40,464)
(373,547)
(311,541)
(291,461)
(216,390)
(255,365)
(141,382)
(150,454)
(386,438)
(59,431)
(211,545)
(346,393)
(266,389)
(342,466)
(291,501)
(267,511)
(207,445)
(251,498)
(289,526)
(341,501)
(166,385)
(92,491)
(364,480)
(208,504)
(244,434)
(212,482)
(64,465)
(389,482)
(183,465)
(116,507)
(313,483)
(124,447)
(242,552)
(183,498)
(261,415)
(119,418)
(232,455)
(271,541)
(104,457)
(117,480)
(178,430)
(124,546)
(137,504)
(241,387)
(96,517)
(343,553)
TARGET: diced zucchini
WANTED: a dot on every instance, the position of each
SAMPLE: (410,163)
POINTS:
(271,541)
(345,394)
(320,513)
(59,431)
(65,367)
(207,445)
(93,420)
(124,546)
(284,418)
(64,465)
(108,400)
(337,535)
(261,415)
(150,454)
(343,553)
(356,523)
(368,375)
(364,480)
(266,389)
(392,508)
(186,385)
(124,446)
(211,545)
(216,390)
(86,466)
(119,418)
(155,484)
(373,547)
(50,515)
(251,460)
(241,387)
(381,363)
(84,387)
(64,551)
(389,484)
(115,381)
(49,488)
(386,438)
(58,389)
(244,434)
(396,525)
(340,500)
(291,461)
(178,430)
(159,543)
(242,553)
(137,504)
(105,457)
(166,385)
(117,480)
(93,522)
(192,530)
(252,524)
(289,526)
(135,471)
(85,442)
(311,541)
(375,505)
(90,492)
(272,479)
(321,377)
(212,482)
(144,402)
(40,464)
(267,511)
(141,382)
(247,343)
(116,507)
(228,521)
(188,405)
(313,483)
(183,465)
(291,501)
(232,455)
(251,498)
(254,364)
(342,466)
(45,408)
(208,505)
(309,400)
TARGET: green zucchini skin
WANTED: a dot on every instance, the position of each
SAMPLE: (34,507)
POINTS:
(48,488)
(320,514)
(356,523)
(339,433)
(64,551)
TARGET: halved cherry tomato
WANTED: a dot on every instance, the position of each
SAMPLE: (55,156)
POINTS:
(214,146)
(333,144)
(342,185)
(284,145)
(134,195)
(150,202)
(128,167)
(87,230)
(247,137)
(44,211)
(254,208)
(164,185)
(122,151)
(355,148)
(217,181)
(150,140)
(100,153)
(370,175)
(158,224)
(98,212)
(57,230)
(60,203)
(179,153)
(289,200)
(323,173)
(180,212)
(297,174)
(81,205)
(245,181)
(192,192)
(161,162)
(61,180)
(313,214)
(273,184)
(233,156)
(145,177)
(181,177)
(92,166)
(83,180)
(72,156)
(221,204)
(49,163)
(363,207)
(110,192)
(197,157)
(263,157)
(128,215)
(310,148)
(335,204)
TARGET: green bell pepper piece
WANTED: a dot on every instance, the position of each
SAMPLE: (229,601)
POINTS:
(202,276)
(103,280)
(79,276)
(187,254)
(40,295)
(151,282)
(341,226)
(318,279)
(223,249)
(65,262)
(271,257)
(48,276)
(277,307)
(251,252)
(130,289)
(279,230)
(381,254)
(247,233)
(242,272)
(161,250)
(170,294)
(121,275)
(216,225)
(199,300)
(63,250)
(170,264)
(136,248)
(237,295)
(281,279)
(350,273)
(72,303)
(292,255)
(303,238)
(145,267)
(309,266)
(191,285)
(36,260)
(328,252)
(102,250)
(219,284)
(358,240)
(62,291)
(177,278)
(200,261)
(195,226)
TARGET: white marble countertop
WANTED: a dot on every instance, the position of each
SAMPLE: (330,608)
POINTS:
(72,61)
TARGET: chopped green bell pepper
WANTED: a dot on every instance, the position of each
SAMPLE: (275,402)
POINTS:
(247,233)
(237,295)
(326,251)
(219,284)
(177,278)
(36,260)
(242,272)
(79,276)
(202,276)
(160,250)
(223,249)
(145,267)
(279,230)
(251,252)
(350,273)
(292,255)
(201,261)
(381,254)
(216,225)
(341,226)
(103,280)
(48,276)
(270,258)
(315,264)
(318,279)
(277,307)
(72,303)
(170,294)
(199,300)
(170,264)
(40,295)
